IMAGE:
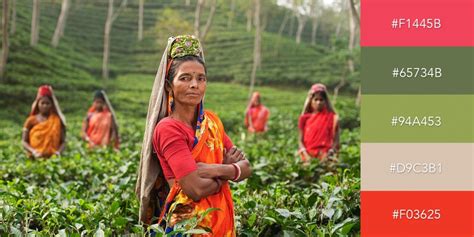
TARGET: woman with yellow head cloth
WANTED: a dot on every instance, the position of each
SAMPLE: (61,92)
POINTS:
(100,128)
(187,159)
(44,131)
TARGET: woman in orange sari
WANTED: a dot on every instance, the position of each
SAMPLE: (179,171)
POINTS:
(44,131)
(100,128)
(187,159)
(318,126)
(256,115)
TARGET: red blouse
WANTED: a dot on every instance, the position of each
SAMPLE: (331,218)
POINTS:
(172,142)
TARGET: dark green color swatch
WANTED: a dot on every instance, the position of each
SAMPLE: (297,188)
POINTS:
(456,112)
(456,65)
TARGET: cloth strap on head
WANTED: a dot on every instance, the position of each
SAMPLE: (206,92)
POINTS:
(315,88)
(47,90)
(150,170)
(44,90)
(318,87)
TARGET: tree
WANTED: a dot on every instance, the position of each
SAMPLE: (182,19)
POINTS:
(257,45)
(111,16)
(231,14)
(315,10)
(209,21)
(35,23)
(140,20)
(13,21)
(197,17)
(5,18)
(59,31)
(248,13)
(354,12)
(354,24)
(283,23)
(201,34)
(301,10)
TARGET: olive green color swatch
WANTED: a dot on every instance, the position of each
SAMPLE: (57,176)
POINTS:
(456,113)
(456,70)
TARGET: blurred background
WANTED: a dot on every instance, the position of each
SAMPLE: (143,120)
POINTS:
(81,45)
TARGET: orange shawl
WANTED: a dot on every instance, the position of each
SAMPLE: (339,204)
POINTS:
(46,136)
(102,125)
(99,129)
(259,117)
(209,149)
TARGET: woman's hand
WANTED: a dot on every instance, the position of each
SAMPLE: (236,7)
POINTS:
(208,171)
(233,155)
(36,153)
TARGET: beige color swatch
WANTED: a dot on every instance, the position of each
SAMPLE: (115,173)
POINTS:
(417,166)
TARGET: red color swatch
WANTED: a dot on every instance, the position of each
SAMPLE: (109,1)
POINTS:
(456,18)
(456,209)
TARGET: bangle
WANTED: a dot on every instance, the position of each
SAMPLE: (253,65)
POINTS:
(238,172)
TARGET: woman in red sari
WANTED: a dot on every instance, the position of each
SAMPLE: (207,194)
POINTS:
(187,159)
(318,126)
(99,128)
(256,115)
(44,131)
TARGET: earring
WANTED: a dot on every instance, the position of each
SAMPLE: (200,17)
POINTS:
(170,103)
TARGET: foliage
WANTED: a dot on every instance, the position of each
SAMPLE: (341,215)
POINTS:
(92,192)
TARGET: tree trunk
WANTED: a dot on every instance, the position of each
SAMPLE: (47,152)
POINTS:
(249,18)
(256,50)
(203,35)
(283,23)
(111,16)
(107,29)
(341,83)
(231,14)
(352,31)
(13,21)
(280,32)
(301,22)
(59,31)
(354,23)
(359,96)
(354,12)
(197,17)
(338,29)
(35,23)
(188,3)
(314,30)
(140,20)
(5,18)
(292,26)
(264,21)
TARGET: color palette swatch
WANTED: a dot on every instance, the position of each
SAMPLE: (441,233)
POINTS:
(417,118)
